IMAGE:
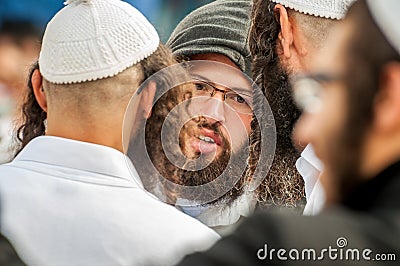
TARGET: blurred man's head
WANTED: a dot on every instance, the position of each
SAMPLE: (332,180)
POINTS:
(352,97)
(89,69)
(19,47)
(284,36)
(220,107)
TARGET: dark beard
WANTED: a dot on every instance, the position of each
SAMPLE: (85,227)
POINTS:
(218,168)
(215,168)
(283,185)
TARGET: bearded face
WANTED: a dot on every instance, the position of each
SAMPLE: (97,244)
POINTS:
(211,157)
(207,138)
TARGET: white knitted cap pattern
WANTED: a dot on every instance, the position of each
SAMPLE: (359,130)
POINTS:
(94,39)
(386,16)
(333,9)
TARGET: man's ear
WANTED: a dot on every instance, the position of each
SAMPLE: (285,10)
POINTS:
(147,98)
(387,102)
(286,34)
(37,85)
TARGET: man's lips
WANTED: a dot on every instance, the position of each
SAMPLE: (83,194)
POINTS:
(211,134)
(206,141)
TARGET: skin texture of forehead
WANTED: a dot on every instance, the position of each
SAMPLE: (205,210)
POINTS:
(331,58)
(215,57)
(230,76)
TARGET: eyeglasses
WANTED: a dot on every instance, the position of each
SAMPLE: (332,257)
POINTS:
(308,90)
(241,103)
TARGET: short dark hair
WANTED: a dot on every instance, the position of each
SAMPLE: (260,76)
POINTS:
(283,185)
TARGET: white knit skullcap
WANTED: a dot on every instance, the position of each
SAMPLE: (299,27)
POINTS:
(333,9)
(386,16)
(94,39)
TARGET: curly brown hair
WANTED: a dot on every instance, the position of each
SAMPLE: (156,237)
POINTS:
(33,116)
(283,185)
(146,145)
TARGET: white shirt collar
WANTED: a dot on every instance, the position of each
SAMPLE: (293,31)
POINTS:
(221,214)
(79,155)
(310,168)
(309,155)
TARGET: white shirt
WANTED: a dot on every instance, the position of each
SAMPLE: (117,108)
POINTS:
(66,202)
(310,167)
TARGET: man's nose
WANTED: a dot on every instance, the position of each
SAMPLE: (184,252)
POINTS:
(214,107)
(304,130)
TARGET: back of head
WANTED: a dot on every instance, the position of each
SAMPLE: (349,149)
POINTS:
(94,39)
(93,44)
(314,17)
(271,66)
(220,27)
(95,54)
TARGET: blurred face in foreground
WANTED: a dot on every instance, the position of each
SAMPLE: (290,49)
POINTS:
(351,102)
(322,96)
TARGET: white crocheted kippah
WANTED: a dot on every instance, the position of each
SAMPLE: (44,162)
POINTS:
(386,15)
(94,39)
(333,9)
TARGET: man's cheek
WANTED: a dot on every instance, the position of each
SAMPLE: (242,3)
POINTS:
(301,132)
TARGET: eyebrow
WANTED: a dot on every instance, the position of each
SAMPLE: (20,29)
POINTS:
(235,89)
(200,77)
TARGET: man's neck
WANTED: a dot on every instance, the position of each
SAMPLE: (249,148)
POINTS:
(378,154)
(106,133)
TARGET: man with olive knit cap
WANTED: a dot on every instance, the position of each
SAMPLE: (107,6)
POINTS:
(218,28)
(72,197)
(216,32)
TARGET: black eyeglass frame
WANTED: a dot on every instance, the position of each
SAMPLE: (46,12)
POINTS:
(215,90)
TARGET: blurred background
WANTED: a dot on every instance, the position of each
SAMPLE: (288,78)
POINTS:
(22,23)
